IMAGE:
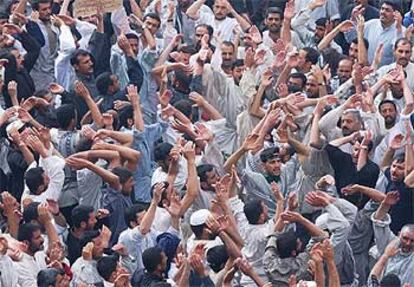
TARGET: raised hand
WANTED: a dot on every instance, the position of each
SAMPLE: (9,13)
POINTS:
(391,198)
(396,142)
(81,90)
(133,96)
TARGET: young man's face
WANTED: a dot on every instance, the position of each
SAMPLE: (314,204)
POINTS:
(389,113)
(45,10)
(220,10)
(36,244)
(212,178)
(353,51)
(84,65)
(134,45)
(152,24)
(344,70)
(386,14)
(273,22)
(402,54)
(90,225)
(237,73)
(272,166)
(128,186)
(397,171)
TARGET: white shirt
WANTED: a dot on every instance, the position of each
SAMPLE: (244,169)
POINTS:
(223,29)
(27,269)
(53,168)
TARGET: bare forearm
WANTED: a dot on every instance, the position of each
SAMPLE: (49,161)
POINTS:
(319,275)
(231,247)
(96,114)
(299,147)
(315,137)
(64,7)
(106,175)
(149,216)
(256,106)
(138,119)
(326,41)
(192,11)
(333,274)
(27,154)
(409,159)
(51,232)
(381,211)
(387,159)
(362,51)
(341,141)
(285,33)
(212,112)
(233,159)
(362,159)
(371,193)
(379,266)
(123,138)
(150,39)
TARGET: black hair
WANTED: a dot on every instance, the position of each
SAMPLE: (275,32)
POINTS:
(366,43)
(162,151)
(26,231)
(34,178)
(400,158)
(64,115)
(390,280)
(103,81)
(237,63)
(202,170)
(124,115)
(41,93)
(130,213)
(35,4)
(151,258)
(74,59)
(252,210)
(4,15)
(321,21)
(131,36)
(299,75)
(107,265)
(217,258)
(87,237)
(184,106)
(386,101)
(153,16)
(164,193)
(47,277)
(229,44)
(274,10)
(81,214)
(187,49)
(123,174)
(395,6)
(286,243)
(184,80)
(312,55)
(403,41)
(210,30)
(269,153)
(30,212)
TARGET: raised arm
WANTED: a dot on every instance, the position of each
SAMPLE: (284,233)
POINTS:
(130,155)
(244,24)
(192,182)
(135,101)
(315,140)
(342,27)
(148,219)
(193,10)
(362,50)
(363,150)
(83,92)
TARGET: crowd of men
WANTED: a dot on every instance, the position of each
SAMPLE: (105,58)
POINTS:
(206,143)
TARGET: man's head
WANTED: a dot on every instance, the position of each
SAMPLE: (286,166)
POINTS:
(83,217)
(52,277)
(344,70)
(402,51)
(307,57)
(198,225)
(273,20)
(82,62)
(256,211)
(227,52)
(390,280)
(126,180)
(407,238)
(19,58)
(133,42)
(217,257)
(108,268)
(126,117)
(356,149)
(152,21)
(296,82)
(320,28)
(162,155)
(134,214)
(353,49)
(200,31)
(154,260)
(288,245)
(388,111)
(208,176)
(99,243)
(361,2)
(66,117)
(36,180)
(351,121)
(312,87)
(237,70)
(387,10)
(397,169)
(220,9)
(107,83)
(44,7)
(186,51)
(271,161)
(31,235)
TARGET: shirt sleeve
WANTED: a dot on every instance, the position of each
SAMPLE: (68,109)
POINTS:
(53,167)
(382,232)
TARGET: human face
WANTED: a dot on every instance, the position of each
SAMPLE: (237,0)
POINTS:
(36,244)
(45,10)
(265,212)
(389,113)
(319,32)
(386,15)
(212,179)
(353,51)
(199,33)
(220,10)
(349,124)
(407,240)
(272,166)
(237,74)
(91,221)
(185,58)
(402,53)
(152,25)
(295,85)
(84,65)
(134,45)
(344,70)
(355,151)
(273,22)
(128,186)
(227,53)
(19,59)
(302,61)
(312,87)
(116,86)
(361,2)
(397,171)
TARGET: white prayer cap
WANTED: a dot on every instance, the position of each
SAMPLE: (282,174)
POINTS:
(199,217)
(17,124)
